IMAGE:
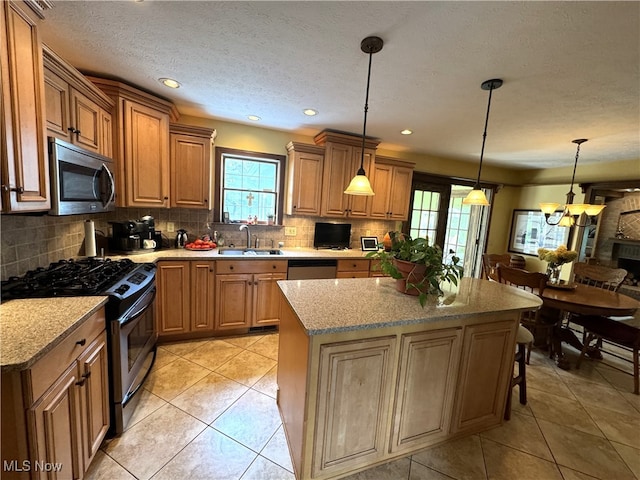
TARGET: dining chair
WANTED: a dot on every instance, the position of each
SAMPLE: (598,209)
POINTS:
(617,332)
(533,282)
(490,262)
(599,276)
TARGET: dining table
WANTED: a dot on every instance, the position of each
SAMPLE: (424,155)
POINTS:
(582,300)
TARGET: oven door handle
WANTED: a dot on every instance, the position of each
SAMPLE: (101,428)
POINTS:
(139,307)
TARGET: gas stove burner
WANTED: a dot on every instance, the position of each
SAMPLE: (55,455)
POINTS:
(89,276)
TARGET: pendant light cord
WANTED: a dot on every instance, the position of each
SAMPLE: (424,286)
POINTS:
(366,109)
(484,136)
(575,164)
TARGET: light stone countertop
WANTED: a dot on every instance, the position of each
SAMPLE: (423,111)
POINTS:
(341,305)
(30,328)
(287,254)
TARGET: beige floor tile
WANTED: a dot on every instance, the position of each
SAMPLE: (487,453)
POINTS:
(587,372)
(171,380)
(243,341)
(213,354)
(211,456)
(521,433)
(616,426)
(163,357)
(388,471)
(246,367)
(263,469)
(569,474)
(267,346)
(147,404)
(151,443)
(420,472)
(619,380)
(583,452)
(277,450)
(546,380)
(598,394)
(208,398)
(104,467)
(504,463)
(631,457)
(251,420)
(181,348)
(564,411)
(633,399)
(461,459)
(268,384)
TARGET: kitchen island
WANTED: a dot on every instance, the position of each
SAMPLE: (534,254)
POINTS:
(365,375)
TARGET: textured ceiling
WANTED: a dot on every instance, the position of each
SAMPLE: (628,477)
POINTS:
(570,69)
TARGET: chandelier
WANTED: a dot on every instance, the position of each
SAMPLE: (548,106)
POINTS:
(572,212)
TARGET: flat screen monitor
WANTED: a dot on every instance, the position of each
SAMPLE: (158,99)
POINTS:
(332,235)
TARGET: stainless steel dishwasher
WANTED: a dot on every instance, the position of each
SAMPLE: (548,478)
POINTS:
(312,269)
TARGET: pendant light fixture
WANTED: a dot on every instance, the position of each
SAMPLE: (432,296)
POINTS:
(571,212)
(477,196)
(360,184)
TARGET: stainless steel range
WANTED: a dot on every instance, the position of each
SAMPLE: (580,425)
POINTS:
(130,316)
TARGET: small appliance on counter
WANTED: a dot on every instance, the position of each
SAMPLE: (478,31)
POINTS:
(154,236)
(128,236)
(181,238)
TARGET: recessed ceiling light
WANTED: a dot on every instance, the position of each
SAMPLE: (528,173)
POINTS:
(169,82)
(310,112)
(406,131)
(254,118)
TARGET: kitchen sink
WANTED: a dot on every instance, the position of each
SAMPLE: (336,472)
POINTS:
(248,251)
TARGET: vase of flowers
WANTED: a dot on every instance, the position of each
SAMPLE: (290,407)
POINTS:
(555,259)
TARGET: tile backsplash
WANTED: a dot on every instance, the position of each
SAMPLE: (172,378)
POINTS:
(32,241)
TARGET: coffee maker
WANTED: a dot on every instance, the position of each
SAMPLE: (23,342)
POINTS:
(153,234)
(128,236)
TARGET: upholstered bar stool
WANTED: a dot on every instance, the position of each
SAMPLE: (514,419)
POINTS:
(523,338)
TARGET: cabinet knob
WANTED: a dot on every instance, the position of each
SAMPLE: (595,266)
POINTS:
(273,266)
(165,198)
(231,267)
(81,342)
(74,130)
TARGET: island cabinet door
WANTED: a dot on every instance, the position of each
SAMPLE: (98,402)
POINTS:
(353,399)
(425,389)
(485,372)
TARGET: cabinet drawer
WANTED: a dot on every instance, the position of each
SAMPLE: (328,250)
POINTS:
(53,364)
(359,274)
(353,265)
(250,266)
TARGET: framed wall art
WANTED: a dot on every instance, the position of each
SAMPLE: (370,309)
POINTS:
(530,231)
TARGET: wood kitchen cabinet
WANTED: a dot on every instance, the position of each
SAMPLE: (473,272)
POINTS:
(353,268)
(24,162)
(304,179)
(426,358)
(352,375)
(486,363)
(141,145)
(60,404)
(391,182)
(76,110)
(341,162)
(190,160)
(185,302)
(247,294)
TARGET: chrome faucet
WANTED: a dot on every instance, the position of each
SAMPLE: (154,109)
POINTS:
(246,227)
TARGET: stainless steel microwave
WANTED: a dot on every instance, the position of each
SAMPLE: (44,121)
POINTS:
(81,181)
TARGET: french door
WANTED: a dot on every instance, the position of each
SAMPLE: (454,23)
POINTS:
(437,213)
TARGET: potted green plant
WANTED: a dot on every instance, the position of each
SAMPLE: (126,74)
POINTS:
(419,268)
